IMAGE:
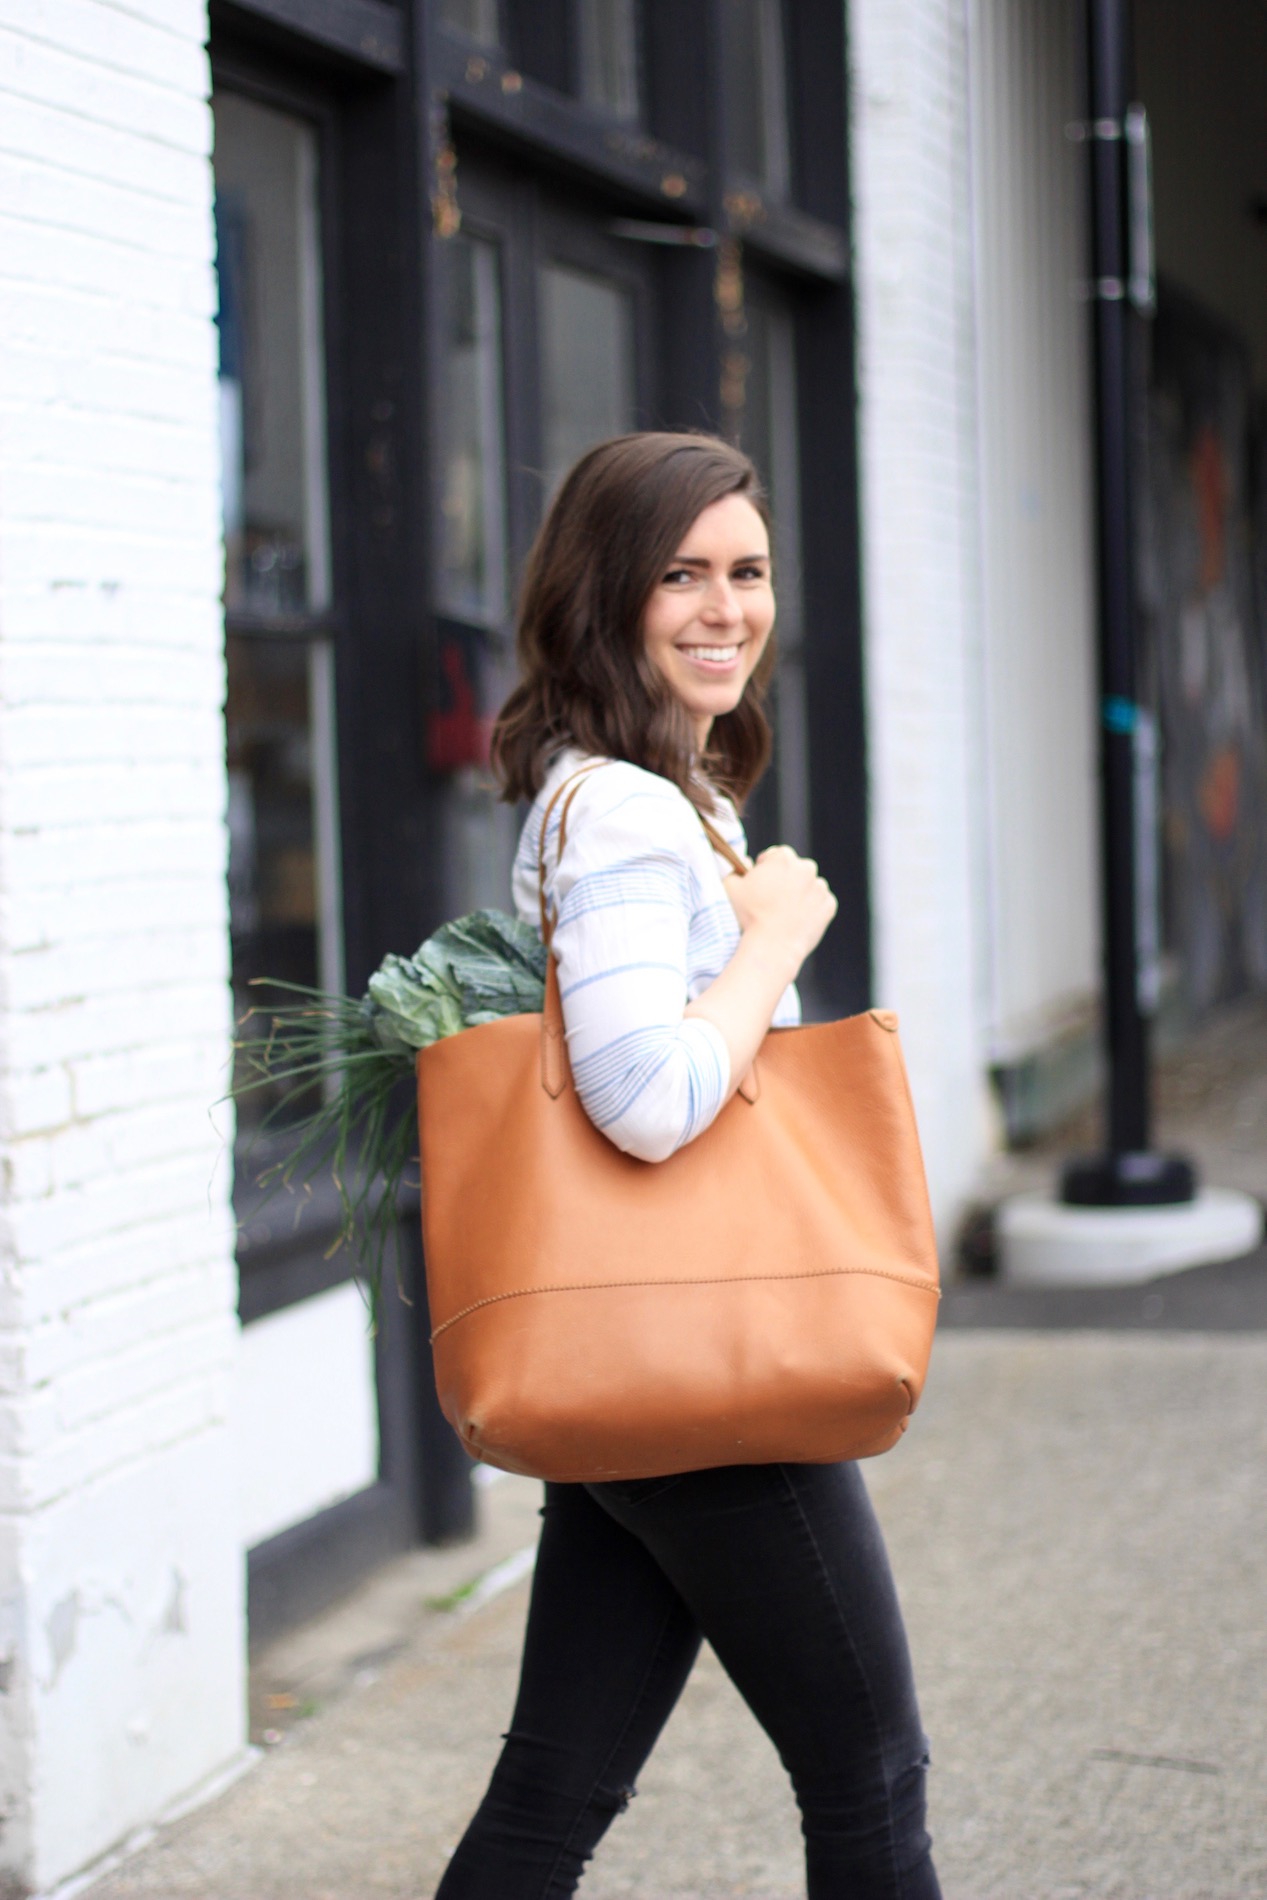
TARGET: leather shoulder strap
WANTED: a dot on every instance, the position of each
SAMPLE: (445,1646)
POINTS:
(571,785)
(567,791)
(738,865)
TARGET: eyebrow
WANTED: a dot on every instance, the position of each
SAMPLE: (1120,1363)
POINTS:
(697,560)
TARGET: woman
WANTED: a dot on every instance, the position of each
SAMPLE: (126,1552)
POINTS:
(645,642)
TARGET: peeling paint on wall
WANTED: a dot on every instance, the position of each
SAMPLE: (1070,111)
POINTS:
(175,1617)
(61,1626)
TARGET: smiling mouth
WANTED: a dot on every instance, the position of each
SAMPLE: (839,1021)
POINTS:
(712,655)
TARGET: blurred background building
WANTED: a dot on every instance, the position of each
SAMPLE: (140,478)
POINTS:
(305,306)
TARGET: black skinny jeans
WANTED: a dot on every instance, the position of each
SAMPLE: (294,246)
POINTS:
(783,1569)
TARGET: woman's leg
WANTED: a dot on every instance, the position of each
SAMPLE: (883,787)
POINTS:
(609,1645)
(783,1568)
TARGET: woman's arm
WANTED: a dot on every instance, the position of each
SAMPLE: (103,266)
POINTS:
(650,1071)
(648,1077)
(783,907)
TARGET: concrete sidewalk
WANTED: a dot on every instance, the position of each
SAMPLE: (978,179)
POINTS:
(1078,1522)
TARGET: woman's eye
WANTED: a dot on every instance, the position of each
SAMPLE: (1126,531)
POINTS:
(750,571)
(676,575)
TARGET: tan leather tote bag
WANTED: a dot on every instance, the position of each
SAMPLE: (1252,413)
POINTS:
(766,1294)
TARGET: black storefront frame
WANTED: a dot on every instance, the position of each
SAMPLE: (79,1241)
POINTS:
(472,90)
(391,87)
(362,109)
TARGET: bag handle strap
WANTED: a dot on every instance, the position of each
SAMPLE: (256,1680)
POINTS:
(554,1065)
(740,866)
(750,1086)
(573,781)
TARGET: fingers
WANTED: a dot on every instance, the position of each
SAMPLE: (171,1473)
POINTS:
(785,854)
(789,893)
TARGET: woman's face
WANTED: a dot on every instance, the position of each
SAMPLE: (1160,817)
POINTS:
(710,615)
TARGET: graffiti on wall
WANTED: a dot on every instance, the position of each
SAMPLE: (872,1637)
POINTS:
(1204,630)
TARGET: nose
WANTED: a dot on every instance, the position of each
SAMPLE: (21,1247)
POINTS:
(722,607)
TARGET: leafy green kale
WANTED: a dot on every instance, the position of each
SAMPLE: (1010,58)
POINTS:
(471,971)
(333,1068)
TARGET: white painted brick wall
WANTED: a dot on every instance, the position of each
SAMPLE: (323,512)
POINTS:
(121,1615)
(909,102)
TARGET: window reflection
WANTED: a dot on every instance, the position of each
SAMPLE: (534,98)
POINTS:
(272,390)
(476,18)
(607,32)
(284,882)
(770,436)
(472,555)
(756,93)
(283,830)
(587,369)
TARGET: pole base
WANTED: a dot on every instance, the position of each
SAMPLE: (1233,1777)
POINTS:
(1128,1180)
(1042,1243)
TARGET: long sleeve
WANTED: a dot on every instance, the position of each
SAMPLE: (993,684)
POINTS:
(626,892)
(644,926)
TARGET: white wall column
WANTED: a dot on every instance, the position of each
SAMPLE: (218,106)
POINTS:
(920,542)
(1037,495)
(121,1600)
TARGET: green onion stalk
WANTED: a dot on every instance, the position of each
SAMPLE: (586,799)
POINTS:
(333,1067)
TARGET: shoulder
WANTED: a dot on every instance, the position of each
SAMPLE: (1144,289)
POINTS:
(620,814)
(619,797)
(614,812)
(630,833)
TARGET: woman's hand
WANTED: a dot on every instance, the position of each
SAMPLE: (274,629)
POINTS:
(785,901)
(783,907)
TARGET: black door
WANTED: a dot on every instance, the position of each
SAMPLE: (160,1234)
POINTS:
(331,1478)
(640,221)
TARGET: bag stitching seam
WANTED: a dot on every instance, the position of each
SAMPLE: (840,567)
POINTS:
(747,1279)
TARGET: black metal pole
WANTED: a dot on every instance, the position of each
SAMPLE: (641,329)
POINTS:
(1128,1173)
(1125,1028)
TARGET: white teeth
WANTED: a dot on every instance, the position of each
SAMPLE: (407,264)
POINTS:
(717,654)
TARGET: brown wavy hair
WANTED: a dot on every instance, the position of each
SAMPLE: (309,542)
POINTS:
(612,531)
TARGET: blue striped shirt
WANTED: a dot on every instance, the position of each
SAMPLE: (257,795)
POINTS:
(644,925)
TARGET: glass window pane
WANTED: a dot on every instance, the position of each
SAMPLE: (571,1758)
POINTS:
(272,370)
(588,380)
(284,883)
(476,18)
(608,35)
(770,436)
(472,554)
(756,93)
